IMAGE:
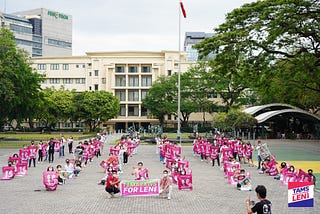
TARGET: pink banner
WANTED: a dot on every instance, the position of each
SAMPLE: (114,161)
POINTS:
(140,187)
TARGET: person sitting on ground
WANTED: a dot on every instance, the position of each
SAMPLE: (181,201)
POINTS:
(265,165)
(112,184)
(69,168)
(60,175)
(313,178)
(241,175)
(283,166)
(166,184)
(263,206)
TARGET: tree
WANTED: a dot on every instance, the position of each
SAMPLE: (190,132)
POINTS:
(162,99)
(95,107)
(57,105)
(19,85)
(233,120)
(199,87)
(270,35)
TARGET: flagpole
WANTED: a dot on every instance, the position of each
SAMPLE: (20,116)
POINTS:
(179,68)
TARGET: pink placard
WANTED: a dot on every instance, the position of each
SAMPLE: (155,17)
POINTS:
(140,187)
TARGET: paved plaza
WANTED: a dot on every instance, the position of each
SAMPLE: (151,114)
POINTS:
(211,193)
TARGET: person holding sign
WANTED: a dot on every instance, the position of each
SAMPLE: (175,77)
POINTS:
(166,184)
(263,206)
(112,184)
(140,173)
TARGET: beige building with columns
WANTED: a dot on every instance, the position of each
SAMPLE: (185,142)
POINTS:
(126,74)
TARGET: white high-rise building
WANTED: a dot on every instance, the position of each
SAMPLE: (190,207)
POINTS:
(41,32)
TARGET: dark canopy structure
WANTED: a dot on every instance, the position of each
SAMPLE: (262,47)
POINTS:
(283,120)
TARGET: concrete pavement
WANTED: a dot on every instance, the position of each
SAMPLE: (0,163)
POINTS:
(211,194)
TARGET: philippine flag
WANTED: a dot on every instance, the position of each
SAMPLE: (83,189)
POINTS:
(183,10)
(300,194)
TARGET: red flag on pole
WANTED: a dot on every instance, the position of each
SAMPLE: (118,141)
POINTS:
(183,10)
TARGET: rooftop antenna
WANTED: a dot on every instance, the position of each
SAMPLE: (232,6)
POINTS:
(5,6)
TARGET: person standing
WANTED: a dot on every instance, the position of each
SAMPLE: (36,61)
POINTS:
(32,153)
(261,207)
(51,150)
(258,149)
(40,152)
(112,184)
(166,184)
(70,144)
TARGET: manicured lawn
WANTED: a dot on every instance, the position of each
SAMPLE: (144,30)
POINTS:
(11,141)
(43,137)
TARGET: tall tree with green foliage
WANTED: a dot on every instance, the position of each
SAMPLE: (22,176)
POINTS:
(96,107)
(234,120)
(270,36)
(19,84)
(162,98)
(199,88)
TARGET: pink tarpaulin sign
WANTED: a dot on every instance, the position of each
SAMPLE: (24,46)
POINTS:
(140,187)
(22,169)
(7,173)
(50,180)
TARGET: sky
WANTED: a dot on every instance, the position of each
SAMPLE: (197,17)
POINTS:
(133,25)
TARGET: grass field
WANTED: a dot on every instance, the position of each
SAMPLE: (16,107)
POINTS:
(12,141)
(44,136)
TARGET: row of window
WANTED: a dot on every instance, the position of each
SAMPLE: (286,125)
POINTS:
(121,81)
(67,80)
(133,69)
(57,67)
(63,125)
(133,95)
(59,43)
(133,110)
(27,43)
(21,29)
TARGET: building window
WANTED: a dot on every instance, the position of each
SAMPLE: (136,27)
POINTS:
(77,66)
(144,111)
(80,80)
(42,66)
(66,125)
(103,80)
(133,69)
(83,66)
(90,88)
(146,80)
(54,81)
(133,110)
(134,81)
(122,110)
(65,66)
(67,81)
(121,95)
(119,69)
(96,87)
(143,94)
(146,69)
(96,73)
(169,116)
(90,74)
(120,80)
(133,95)
(169,72)
(54,66)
